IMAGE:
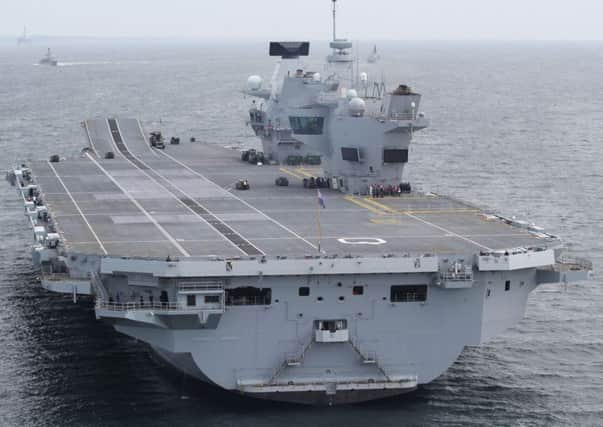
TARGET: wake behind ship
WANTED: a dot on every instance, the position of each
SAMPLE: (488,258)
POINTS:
(321,277)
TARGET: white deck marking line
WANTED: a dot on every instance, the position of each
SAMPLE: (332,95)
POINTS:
(98,240)
(163,186)
(81,192)
(448,231)
(176,197)
(143,210)
(120,242)
(284,227)
(90,138)
(230,186)
(144,137)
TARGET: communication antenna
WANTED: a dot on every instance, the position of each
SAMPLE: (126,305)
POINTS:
(357,73)
(274,79)
(334,20)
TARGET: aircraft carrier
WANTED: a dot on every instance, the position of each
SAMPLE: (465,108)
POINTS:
(274,276)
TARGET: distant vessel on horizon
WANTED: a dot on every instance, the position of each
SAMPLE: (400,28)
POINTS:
(23,39)
(374,56)
(49,59)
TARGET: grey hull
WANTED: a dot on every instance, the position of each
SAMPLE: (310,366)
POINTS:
(182,362)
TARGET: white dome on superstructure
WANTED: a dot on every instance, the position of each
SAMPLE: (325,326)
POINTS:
(254,82)
(351,94)
(357,107)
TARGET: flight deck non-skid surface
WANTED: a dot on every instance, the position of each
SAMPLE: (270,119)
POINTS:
(182,202)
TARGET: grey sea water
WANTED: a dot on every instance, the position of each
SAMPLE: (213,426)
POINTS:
(516,127)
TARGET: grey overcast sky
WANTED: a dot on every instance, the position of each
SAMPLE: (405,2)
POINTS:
(308,19)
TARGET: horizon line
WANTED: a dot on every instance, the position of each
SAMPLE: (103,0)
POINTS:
(10,37)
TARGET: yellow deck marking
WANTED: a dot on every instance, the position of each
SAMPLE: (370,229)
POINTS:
(361,203)
(420,211)
(290,172)
(380,205)
(373,206)
(304,172)
(441,211)
(385,221)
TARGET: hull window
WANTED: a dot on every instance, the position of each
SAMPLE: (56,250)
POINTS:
(395,156)
(212,299)
(350,154)
(307,125)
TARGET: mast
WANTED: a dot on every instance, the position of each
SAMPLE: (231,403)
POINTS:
(334,20)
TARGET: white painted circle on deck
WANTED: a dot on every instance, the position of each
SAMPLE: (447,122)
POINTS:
(362,241)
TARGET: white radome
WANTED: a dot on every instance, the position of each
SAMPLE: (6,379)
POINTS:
(357,107)
(254,83)
(351,94)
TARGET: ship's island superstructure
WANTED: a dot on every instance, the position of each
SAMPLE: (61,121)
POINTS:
(24,39)
(342,286)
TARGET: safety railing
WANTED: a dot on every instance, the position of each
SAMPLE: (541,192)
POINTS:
(346,380)
(369,358)
(327,98)
(137,306)
(56,277)
(98,287)
(201,286)
(392,116)
(238,301)
(582,263)
(293,358)
(461,276)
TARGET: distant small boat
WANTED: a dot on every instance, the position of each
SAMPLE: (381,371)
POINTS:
(374,56)
(49,59)
(23,39)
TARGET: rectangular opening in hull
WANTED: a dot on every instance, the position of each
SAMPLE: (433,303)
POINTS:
(248,296)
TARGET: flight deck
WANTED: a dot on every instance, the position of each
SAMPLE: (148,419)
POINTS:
(182,202)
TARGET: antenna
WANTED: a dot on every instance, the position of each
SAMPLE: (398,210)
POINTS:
(334,20)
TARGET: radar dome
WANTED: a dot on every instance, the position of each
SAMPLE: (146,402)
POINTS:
(351,94)
(254,83)
(316,77)
(357,107)
(363,77)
